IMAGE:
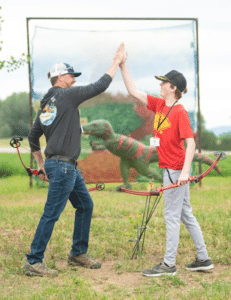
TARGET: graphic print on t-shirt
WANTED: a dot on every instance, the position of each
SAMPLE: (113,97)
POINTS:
(49,112)
(159,117)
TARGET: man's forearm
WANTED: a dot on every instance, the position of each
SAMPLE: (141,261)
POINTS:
(112,70)
(39,158)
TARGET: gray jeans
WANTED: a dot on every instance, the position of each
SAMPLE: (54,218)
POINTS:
(177,207)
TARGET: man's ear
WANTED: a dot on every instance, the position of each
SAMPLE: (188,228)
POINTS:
(60,78)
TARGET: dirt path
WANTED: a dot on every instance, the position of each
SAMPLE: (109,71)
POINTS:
(107,276)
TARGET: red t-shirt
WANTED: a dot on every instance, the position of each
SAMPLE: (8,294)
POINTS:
(172,132)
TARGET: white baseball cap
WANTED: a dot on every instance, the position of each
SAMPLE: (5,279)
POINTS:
(61,69)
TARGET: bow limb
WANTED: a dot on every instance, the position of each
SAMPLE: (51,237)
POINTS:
(19,155)
(15,143)
(220,156)
(151,193)
(197,178)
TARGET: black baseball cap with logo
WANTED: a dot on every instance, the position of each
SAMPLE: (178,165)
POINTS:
(176,78)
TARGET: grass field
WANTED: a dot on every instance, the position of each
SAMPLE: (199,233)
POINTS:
(114,222)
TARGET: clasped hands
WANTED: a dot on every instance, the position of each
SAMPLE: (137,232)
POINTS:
(120,55)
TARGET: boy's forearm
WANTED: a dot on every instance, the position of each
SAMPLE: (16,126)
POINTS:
(190,151)
(130,85)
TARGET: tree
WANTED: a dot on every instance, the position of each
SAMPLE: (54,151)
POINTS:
(12,63)
(208,138)
(15,115)
(224,141)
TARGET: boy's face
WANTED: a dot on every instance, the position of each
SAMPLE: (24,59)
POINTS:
(166,89)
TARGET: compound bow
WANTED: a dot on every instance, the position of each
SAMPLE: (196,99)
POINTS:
(158,193)
(15,143)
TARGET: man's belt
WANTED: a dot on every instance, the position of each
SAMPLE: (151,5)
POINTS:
(63,158)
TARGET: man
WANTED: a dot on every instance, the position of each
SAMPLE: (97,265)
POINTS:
(58,120)
(171,129)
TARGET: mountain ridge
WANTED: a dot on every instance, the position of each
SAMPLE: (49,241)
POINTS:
(220,130)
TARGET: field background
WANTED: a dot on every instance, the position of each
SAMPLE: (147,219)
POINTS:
(114,222)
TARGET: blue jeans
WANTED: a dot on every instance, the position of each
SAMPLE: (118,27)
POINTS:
(65,182)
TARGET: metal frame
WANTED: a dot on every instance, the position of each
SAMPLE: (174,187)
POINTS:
(116,19)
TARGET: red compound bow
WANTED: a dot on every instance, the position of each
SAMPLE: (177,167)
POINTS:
(148,212)
(15,143)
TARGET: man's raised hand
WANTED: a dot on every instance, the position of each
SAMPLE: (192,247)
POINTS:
(119,55)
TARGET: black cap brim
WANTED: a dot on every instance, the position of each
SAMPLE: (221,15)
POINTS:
(76,74)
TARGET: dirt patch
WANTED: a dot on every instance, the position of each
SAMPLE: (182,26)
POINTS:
(108,276)
(103,166)
(105,276)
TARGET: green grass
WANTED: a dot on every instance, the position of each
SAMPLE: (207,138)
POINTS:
(111,229)
(11,165)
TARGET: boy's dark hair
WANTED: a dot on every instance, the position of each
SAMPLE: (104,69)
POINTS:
(178,93)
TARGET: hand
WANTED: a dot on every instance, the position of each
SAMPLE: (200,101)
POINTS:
(124,59)
(183,179)
(42,174)
(119,55)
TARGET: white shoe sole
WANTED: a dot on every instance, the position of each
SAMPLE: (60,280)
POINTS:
(205,268)
(160,274)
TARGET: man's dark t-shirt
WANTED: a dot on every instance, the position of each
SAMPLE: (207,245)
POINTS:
(58,118)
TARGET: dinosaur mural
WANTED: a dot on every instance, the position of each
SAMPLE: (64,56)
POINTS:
(133,154)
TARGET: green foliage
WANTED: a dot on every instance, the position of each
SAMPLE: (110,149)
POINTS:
(208,140)
(5,130)
(15,115)
(12,63)
(121,116)
(224,141)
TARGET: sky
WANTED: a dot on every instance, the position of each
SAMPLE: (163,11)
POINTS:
(214,40)
(87,51)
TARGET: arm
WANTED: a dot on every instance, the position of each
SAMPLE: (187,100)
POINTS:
(33,139)
(190,151)
(79,94)
(130,85)
(39,159)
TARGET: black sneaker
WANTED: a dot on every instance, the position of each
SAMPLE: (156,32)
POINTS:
(200,265)
(161,269)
